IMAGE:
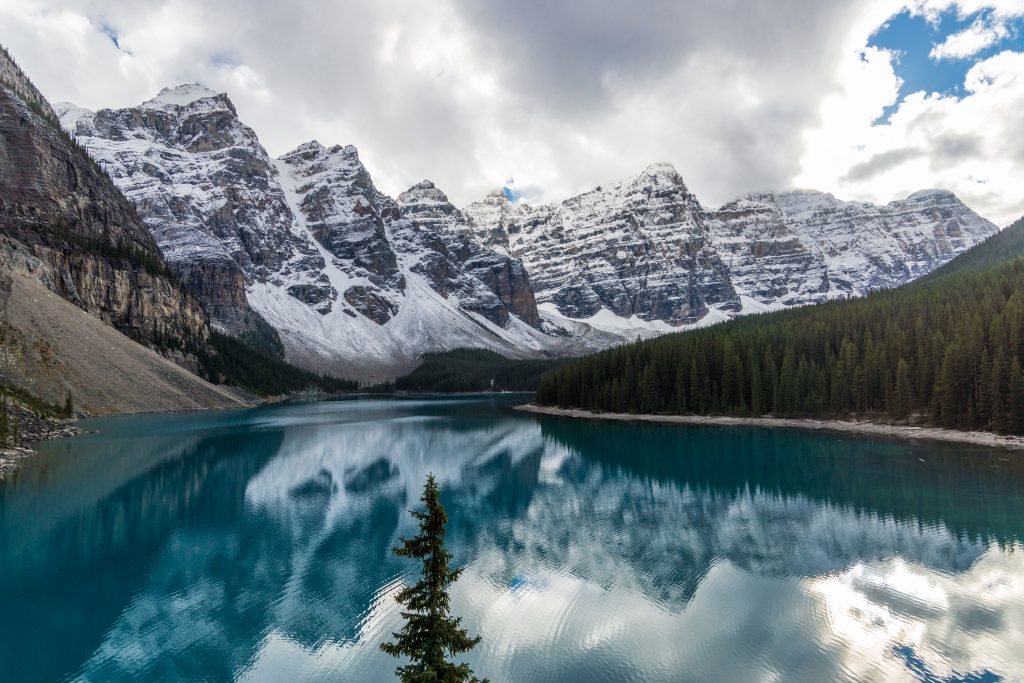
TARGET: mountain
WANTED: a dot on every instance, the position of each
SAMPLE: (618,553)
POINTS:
(207,191)
(996,249)
(74,250)
(645,247)
(66,225)
(641,247)
(947,350)
(360,284)
(795,248)
(353,281)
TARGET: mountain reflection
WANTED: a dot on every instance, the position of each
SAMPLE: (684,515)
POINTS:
(259,543)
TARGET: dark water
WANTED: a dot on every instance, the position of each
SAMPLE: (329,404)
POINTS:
(254,545)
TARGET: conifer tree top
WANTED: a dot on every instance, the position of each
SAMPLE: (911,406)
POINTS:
(430,635)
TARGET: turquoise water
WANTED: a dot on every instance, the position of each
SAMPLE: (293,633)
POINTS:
(254,545)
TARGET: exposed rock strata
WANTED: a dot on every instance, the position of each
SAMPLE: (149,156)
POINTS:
(65,224)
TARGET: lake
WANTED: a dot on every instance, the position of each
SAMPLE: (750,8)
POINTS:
(254,545)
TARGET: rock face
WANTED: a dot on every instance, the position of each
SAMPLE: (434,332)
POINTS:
(206,189)
(66,225)
(645,247)
(803,247)
(641,247)
(436,224)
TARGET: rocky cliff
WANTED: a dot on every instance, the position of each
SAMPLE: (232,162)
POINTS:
(66,225)
(803,247)
(205,188)
(435,223)
(641,247)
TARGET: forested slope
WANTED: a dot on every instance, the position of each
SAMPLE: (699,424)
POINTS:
(474,370)
(945,350)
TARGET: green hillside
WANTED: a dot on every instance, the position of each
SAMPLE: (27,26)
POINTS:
(236,362)
(945,350)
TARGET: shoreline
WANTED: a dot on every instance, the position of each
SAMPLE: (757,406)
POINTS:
(865,427)
(39,429)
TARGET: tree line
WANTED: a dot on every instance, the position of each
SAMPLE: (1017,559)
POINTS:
(946,350)
(463,370)
(230,360)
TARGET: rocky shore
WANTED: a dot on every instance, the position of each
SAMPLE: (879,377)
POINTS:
(858,427)
(31,428)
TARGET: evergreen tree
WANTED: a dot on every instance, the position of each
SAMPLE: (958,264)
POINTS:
(430,634)
(756,390)
(695,398)
(1015,413)
(903,398)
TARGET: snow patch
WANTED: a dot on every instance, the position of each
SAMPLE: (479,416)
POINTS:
(179,96)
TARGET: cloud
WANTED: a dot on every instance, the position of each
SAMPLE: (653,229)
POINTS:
(968,145)
(881,162)
(562,96)
(981,34)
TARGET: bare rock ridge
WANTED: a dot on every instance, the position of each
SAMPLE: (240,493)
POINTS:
(15,80)
(358,283)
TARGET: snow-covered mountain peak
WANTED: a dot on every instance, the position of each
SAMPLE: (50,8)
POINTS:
(661,169)
(304,152)
(932,193)
(804,246)
(184,95)
(358,283)
(497,197)
(70,114)
(659,174)
(423,192)
(322,158)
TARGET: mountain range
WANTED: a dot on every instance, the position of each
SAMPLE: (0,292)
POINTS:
(357,283)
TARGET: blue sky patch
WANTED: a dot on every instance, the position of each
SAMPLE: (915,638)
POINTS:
(912,38)
(109,32)
(228,59)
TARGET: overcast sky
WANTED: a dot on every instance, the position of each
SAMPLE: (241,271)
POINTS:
(867,99)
